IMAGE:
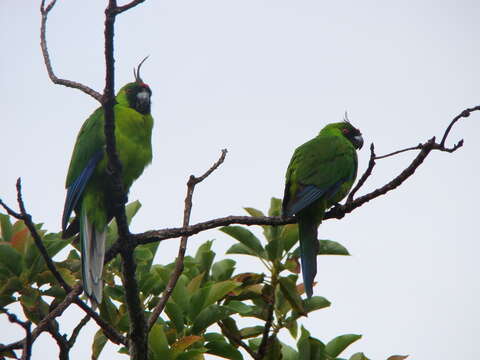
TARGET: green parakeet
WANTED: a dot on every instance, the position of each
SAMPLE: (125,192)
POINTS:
(87,183)
(320,174)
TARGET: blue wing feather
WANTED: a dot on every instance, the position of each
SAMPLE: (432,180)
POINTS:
(311,193)
(75,190)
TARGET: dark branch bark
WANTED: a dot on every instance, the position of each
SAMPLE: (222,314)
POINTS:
(77,329)
(336,212)
(465,113)
(26,325)
(46,57)
(236,340)
(263,348)
(138,327)
(366,174)
(192,182)
(128,6)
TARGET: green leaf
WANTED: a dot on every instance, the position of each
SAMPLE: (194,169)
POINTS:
(6,300)
(254,212)
(10,259)
(180,294)
(54,243)
(196,354)
(275,246)
(292,326)
(195,283)
(274,350)
(158,344)
(360,356)
(210,294)
(246,237)
(223,349)
(327,247)
(330,247)
(219,290)
(289,290)
(182,344)
(275,207)
(288,353)
(11,285)
(316,303)
(340,343)
(251,331)
(303,345)
(209,316)
(99,342)
(116,292)
(130,210)
(223,270)
(238,307)
(175,314)
(241,250)
(34,307)
(310,348)
(204,257)
(143,254)
(397,357)
(5,228)
(289,234)
(108,311)
(258,213)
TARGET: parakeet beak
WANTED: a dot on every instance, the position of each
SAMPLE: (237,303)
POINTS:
(358,141)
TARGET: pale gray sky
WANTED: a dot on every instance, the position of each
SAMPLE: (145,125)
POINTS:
(260,78)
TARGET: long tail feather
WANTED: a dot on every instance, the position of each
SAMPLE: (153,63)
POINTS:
(93,253)
(308,251)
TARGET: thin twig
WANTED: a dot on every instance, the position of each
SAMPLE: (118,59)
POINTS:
(236,340)
(26,325)
(418,147)
(183,242)
(27,219)
(263,348)
(61,340)
(465,113)
(366,174)
(46,57)
(76,330)
(128,6)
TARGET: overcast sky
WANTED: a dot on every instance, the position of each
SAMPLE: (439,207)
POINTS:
(260,78)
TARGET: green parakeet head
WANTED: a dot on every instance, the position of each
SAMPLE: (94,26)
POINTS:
(136,95)
(346,129)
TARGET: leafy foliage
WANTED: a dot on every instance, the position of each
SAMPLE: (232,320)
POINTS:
(203,314)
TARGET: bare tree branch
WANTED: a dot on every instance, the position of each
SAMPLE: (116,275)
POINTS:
(43,324)
(270,300)
(336,212)
(192,182)
(77,329)
(465,113)
(46,57)
(128,6)
(26,325)
(366,174)
(138,327)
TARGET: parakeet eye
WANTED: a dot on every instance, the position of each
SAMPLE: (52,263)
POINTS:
(345,131)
